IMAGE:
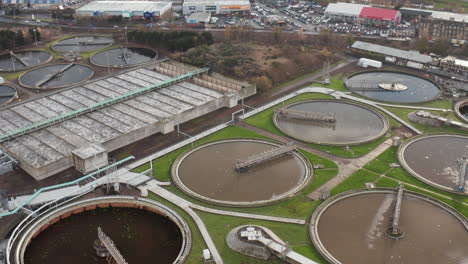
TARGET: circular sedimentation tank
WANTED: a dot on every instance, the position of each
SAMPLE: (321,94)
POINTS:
(80,44)
(208,173)
(461,109)
(7,94)
(417,89)
(141,229)
(123,57)
(56,76)
(21,60)
(433,160)
(354,123)
(350,228)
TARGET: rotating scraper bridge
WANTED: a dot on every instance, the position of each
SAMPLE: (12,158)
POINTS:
(113,111)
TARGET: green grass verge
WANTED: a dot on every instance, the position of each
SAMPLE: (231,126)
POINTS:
(403,114)
(356,181)
(297,236)
(11,75)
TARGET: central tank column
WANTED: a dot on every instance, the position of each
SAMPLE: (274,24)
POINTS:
(463,163)
(394,231)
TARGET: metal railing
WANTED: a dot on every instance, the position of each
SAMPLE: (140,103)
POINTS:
(77,181)
(99,105)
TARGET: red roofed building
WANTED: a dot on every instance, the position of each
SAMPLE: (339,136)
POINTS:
(380,16)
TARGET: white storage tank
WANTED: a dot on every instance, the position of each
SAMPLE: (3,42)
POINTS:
(363,62)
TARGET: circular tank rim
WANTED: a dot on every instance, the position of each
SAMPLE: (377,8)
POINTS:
(407,168)
(12,98)
(51,57)
(398,72)
(386,123)
(308,175)
(458,105)
(124,66)
(313,226)
(55,87)
(57,41)
(90,204)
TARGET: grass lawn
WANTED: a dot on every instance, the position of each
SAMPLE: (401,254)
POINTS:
(403,114)
(11,75)
(394,175)
(297,236)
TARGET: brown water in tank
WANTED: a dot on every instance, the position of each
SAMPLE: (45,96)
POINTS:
(434,158)
(139,235)
(210,172)
(353,231)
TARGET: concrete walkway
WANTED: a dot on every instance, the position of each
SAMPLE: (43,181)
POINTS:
(189,207)
(355,165)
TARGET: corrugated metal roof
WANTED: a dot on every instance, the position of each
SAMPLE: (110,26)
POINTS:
(123,6)
(398,53)
(345,9)
(379,13)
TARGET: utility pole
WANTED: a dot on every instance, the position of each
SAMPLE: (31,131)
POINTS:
(35,38)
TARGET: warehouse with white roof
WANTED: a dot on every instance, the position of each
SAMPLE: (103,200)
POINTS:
(344,11)
(215,6)
(147,9)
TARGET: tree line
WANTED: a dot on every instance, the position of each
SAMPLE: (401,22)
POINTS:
(12,39)
(173,40)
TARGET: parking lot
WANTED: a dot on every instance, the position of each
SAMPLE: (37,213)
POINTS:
(309,16)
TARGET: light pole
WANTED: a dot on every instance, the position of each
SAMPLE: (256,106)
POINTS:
(126,38)
(108,65)
(34,33)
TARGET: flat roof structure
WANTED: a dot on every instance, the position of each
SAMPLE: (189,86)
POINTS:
(398,53)
(215,6)
(442,15)
(47,150)
(345,9)
(379,13)
(129,7)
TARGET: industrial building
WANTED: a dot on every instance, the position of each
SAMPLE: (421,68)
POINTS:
(435,25)
(146,9)
(397,56)
(362,14)
(453,64)
(344,11)
(379,16)
(78,126)
(215,6)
